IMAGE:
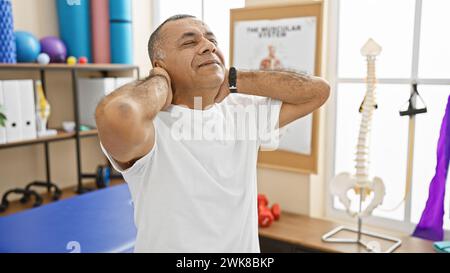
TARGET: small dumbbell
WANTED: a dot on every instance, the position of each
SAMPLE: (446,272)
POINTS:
(265,217)
(276,211)
(102,176)
(262,200)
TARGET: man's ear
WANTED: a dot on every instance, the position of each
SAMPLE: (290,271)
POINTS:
(159,63)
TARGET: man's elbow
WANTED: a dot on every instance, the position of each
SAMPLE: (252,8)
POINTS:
(322,91)
(318,91)
(116,114)
(325,91)
(100,110)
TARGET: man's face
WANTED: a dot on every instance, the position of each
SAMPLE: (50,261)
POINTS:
(192,58)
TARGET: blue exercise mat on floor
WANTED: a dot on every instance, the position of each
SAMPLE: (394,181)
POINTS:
(96,222)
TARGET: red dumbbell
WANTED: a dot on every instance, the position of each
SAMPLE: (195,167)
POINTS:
(265,218)
(267,215)
(276,211)
(262,200)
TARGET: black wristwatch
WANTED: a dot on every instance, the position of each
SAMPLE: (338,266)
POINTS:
(232,80)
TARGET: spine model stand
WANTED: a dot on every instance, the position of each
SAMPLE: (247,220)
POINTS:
(360,182)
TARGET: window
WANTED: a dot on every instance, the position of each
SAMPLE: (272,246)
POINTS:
(434,55)
(215,13)
(389,23)
(414,51)
(388,151)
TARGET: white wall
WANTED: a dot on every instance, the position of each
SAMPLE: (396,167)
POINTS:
(37,17)
(142,29)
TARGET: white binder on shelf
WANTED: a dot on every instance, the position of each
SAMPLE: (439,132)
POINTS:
(11,98)
(90,92)
(28,109)
(2,104)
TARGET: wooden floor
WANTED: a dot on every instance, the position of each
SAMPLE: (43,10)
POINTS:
(16,206)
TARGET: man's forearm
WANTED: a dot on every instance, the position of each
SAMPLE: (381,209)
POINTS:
(152,95)
(289,87)
(124,118)
(142,99)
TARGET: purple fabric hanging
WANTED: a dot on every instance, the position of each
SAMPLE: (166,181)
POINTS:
(430,226)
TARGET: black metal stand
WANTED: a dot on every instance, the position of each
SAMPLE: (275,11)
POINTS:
(80,188)
(5,203)
(371,246)
(51,187)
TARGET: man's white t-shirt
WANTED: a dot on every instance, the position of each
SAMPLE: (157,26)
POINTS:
(196,190)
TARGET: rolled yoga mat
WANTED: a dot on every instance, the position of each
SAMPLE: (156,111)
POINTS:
(101,52)
(7,40)
(74,27)
(121,31)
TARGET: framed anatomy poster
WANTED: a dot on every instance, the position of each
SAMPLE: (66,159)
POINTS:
(290,38)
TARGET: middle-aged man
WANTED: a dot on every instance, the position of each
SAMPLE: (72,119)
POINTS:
(186,139)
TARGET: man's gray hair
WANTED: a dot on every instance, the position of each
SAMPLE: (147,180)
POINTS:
(154,50)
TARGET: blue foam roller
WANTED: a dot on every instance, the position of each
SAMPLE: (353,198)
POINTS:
(120,10)
(7,37)
(121,43)
(74,26)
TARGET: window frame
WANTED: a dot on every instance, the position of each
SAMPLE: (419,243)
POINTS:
(406,225)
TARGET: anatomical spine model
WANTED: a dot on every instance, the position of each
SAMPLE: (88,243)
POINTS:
(360,182)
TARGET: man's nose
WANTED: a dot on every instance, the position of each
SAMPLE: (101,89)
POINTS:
(207,47)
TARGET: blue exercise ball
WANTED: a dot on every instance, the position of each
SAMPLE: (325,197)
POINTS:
(27,47)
